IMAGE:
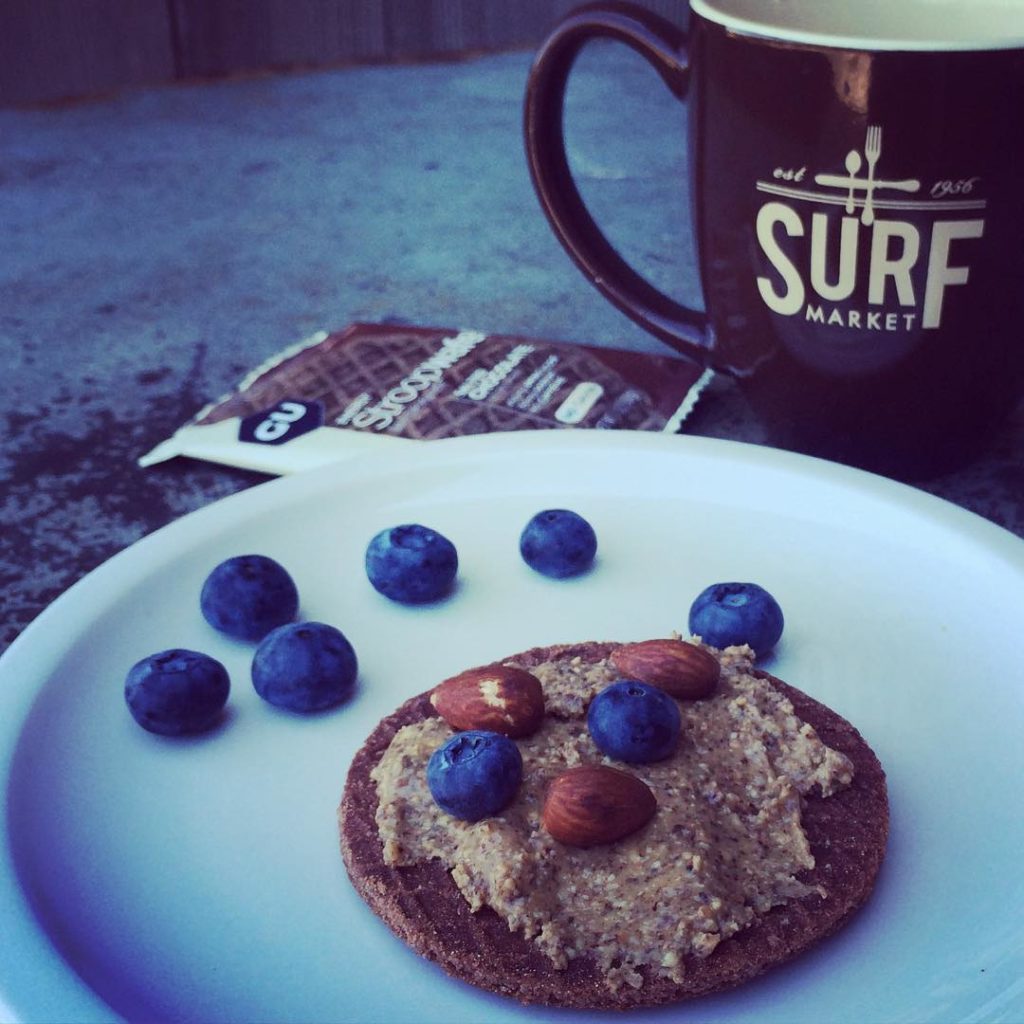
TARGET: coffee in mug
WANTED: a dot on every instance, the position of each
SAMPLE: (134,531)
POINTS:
(857,205)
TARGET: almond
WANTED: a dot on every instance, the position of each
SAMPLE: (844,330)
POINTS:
(682,669)
(497,698)
(593,804)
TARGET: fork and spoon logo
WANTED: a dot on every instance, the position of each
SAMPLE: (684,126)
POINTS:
(868,184)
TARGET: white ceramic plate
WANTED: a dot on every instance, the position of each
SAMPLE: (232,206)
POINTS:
(200,879)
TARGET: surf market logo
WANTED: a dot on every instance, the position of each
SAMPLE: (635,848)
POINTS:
(887,264)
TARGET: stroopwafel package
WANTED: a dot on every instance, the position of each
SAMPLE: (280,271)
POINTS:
(335,394)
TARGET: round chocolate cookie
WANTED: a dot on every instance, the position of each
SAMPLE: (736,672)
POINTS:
(421,904)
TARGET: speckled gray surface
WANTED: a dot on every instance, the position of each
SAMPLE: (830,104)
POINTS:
(158,244)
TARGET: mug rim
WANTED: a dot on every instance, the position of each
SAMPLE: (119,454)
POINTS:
(762,26)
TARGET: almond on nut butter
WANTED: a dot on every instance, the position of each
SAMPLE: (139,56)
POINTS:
(497,698)
(681,669)
(594,804)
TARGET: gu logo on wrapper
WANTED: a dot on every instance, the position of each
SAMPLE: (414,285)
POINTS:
(285,421)
(863,250)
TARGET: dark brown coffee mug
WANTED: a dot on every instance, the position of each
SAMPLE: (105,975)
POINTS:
(858,205)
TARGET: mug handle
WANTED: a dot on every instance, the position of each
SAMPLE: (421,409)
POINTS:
(663,45)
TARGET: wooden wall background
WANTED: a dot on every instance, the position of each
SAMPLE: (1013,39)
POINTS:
(55,50)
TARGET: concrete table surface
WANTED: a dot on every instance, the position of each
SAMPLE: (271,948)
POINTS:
(158,244)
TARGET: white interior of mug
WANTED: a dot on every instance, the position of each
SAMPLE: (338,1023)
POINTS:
(875,24)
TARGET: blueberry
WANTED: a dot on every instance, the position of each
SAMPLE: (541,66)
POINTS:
(475,774)
(304,666)
(728,614)
(558,543)
(248,596)
(176,692)
(411,563)
(633,721)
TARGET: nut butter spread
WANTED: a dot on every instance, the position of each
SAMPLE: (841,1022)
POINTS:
(725,844)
